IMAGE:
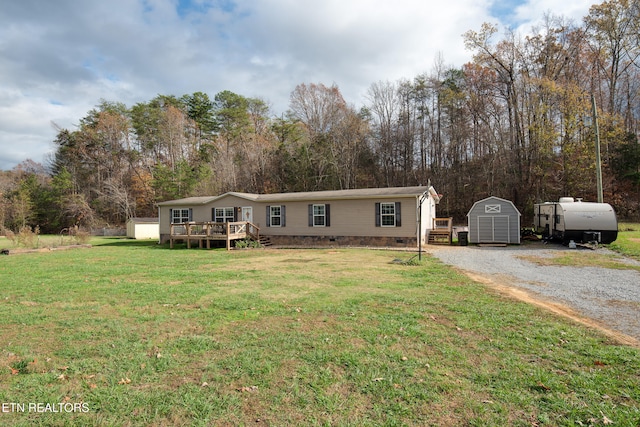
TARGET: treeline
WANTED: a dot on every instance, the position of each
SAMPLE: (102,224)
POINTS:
(515,122)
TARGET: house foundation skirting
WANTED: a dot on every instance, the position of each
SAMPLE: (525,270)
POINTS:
(375,241)
(311,241)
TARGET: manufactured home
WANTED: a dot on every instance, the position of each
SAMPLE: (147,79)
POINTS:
(396,217)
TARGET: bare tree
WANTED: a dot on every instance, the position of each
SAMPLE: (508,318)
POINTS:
(334,134)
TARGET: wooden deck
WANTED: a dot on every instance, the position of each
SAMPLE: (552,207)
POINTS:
(205,232)
(441,231)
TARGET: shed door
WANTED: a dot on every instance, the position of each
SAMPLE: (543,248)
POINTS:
(493,229)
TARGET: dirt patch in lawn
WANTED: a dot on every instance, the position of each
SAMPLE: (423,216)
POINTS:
(501,285)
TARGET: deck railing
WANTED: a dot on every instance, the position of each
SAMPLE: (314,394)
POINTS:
(441,231)
(443,224)
(204,232)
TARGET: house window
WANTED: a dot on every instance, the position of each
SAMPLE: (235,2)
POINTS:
(388,214)
(224,215)
(180,216)
(275,216)
(319,215)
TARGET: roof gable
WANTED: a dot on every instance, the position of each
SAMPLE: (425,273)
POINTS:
(493,199)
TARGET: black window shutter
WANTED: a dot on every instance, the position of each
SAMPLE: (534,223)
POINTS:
(327,223)
(213,214)
(190,214)
(268,216)
(235,214)
(377,214)
(310,215)
(170,216)
(283,216)
(398,216)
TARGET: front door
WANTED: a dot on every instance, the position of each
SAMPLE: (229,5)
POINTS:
(247,214)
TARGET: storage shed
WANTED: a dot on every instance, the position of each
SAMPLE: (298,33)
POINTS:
(143,228)
(494,220)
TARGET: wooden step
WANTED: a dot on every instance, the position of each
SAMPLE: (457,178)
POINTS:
(265,241)
(439,238)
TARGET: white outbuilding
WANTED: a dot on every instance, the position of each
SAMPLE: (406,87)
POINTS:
(143,228)
(494,220)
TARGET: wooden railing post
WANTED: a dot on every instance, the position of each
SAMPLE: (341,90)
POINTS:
(212,231)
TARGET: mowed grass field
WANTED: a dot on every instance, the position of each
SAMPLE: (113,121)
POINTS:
(132,333)
(628,241)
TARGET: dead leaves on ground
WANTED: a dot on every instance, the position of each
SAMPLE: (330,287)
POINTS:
(248,389)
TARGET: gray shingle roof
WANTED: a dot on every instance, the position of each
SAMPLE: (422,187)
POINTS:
(142,220)
(345,194)
(361,193)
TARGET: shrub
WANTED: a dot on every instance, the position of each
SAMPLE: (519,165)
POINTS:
(79,236)
(25,237)
(247,243)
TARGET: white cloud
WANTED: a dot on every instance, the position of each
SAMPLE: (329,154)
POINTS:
(532,12)
(58,59)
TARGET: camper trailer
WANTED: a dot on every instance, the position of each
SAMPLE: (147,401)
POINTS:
(582,222)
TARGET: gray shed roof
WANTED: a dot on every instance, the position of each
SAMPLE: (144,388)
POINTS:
(362,193)
(493,198)
(143,220)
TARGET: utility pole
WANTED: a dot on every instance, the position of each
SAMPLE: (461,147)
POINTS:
(598,161)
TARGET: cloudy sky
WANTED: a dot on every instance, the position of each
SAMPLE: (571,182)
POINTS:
(58,59)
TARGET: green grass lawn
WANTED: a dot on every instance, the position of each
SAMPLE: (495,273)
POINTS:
(133,333)
(628,241)
(627,244)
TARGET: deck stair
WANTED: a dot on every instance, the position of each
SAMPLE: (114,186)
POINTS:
(441,231)
(265,241)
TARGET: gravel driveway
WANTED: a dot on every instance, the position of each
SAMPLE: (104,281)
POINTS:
(610,297)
